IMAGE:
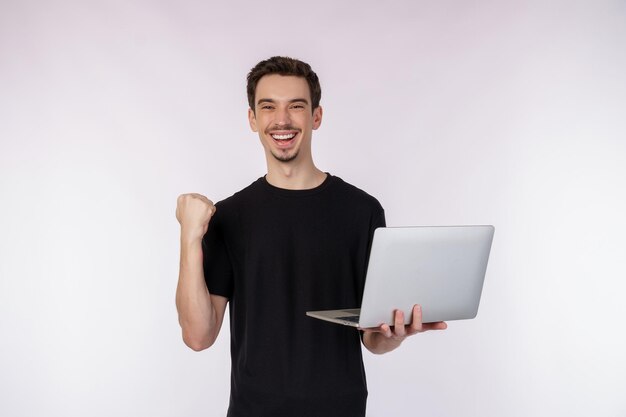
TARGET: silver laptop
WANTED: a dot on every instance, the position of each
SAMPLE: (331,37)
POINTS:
(442,268)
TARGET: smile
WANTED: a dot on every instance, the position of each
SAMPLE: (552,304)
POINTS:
(283,136)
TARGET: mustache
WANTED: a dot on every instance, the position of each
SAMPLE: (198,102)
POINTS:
(285,127)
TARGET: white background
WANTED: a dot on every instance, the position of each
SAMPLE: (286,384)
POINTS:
(449,112)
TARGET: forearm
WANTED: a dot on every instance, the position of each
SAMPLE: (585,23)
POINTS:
(378,344)
(196,313)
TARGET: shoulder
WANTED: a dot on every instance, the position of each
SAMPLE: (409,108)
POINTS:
(228,209)
(242,197)
(349,192)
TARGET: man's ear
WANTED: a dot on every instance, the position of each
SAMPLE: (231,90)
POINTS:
(252,120)
(317,117)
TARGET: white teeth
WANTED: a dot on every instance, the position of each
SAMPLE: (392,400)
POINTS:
(284,137)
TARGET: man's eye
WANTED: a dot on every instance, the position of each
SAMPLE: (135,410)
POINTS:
(297,106)
(266,107)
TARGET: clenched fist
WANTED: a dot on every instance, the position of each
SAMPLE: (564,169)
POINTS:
(193,212)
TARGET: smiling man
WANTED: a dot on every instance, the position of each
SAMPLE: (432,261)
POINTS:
(284,113)
(296,239)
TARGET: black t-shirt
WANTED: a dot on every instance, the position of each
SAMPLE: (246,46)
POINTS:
(275,254)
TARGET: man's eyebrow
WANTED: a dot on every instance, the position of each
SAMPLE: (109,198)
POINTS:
(293,100)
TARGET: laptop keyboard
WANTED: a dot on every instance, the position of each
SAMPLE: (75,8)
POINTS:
(353,319)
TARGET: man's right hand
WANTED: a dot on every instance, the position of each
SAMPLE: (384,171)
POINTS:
(193,212)
(200,313)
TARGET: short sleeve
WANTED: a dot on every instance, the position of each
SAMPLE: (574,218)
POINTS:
(379,220)
(218,271)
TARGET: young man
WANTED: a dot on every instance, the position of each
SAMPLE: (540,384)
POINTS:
(297,239)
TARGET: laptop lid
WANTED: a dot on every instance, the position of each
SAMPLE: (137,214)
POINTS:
(442,268)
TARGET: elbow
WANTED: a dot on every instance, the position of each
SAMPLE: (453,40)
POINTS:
(197,347)
(197,344)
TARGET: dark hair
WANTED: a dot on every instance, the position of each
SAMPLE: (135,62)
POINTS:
(283,65)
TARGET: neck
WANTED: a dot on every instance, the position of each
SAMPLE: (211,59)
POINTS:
(294,176)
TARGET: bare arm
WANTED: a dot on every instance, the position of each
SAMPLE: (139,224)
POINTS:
(385,338)
(200,314)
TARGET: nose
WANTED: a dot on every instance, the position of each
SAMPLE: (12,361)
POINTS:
(282,117)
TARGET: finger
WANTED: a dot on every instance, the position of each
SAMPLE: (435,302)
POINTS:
(370,329)
(416,321)
(203,198)
(398,325)
(206,200)
(209,203)
(440,325)
(386,330)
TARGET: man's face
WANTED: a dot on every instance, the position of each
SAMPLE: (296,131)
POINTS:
(283,116)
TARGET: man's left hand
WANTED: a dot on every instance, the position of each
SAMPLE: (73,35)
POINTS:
(385,338)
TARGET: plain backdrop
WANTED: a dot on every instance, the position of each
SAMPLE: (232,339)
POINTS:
(449,112)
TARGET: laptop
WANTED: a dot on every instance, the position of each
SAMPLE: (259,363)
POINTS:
(442,268)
